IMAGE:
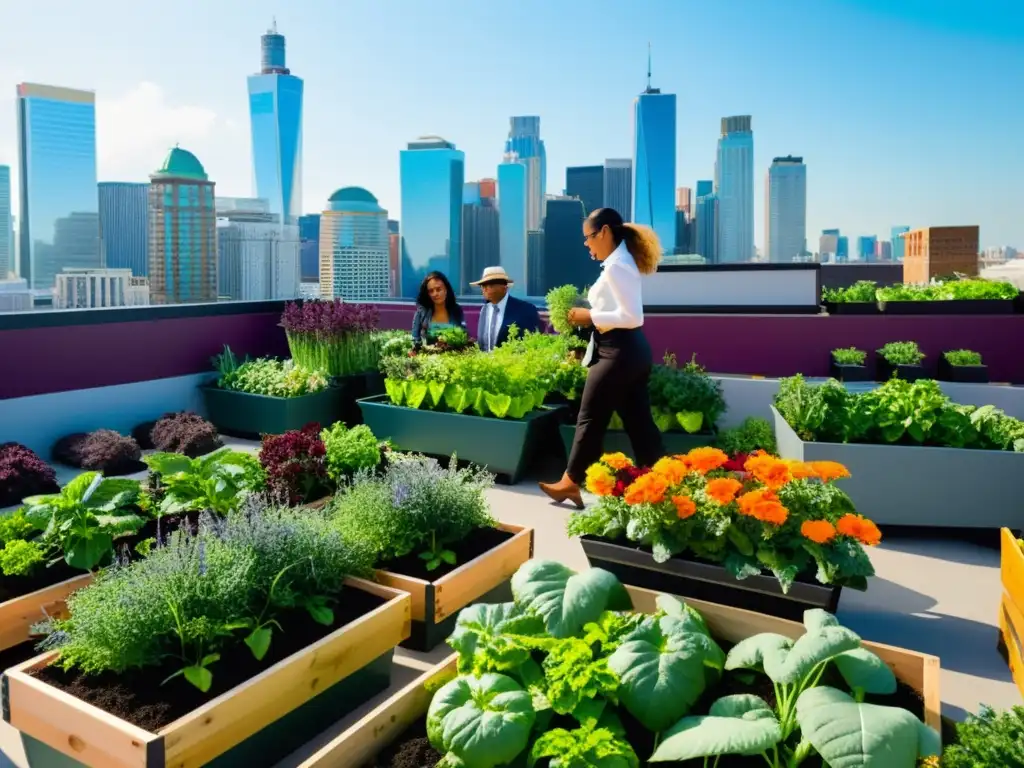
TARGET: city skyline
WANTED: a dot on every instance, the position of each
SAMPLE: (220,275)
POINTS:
(863,177)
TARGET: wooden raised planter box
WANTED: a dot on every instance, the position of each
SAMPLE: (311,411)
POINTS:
(692,579)
(18,614)
(503,446)
(910,485)
(484,579)
(1011,609)
(617,441)
(381,727)
(255,723)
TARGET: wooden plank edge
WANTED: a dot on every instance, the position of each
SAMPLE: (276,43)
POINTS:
(1013,654)
(486,576)
(20,683)
(415,588)
(16,617)
(365,738)
(398,602)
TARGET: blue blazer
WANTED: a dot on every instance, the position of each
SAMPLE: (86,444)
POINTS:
(521,313)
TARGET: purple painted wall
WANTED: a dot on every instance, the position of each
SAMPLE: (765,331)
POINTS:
(42,360)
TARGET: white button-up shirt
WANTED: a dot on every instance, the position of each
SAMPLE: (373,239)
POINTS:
(492,324)
(616,299)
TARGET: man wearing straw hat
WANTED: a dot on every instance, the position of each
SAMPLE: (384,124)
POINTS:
(501,310)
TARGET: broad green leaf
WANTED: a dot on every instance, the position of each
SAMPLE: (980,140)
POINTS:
(743,543)
(415,393)
(498,403)
(110,489)
(259,641)
(814,648)
(816,618)
(436,390)
(661,671)
(484,637)
(691,421)
(200,677)
(455,397)
(864,671)
(86,552)
(765,651)
(319,610)
(689,618)
(742,724)
(851,735)
(484,721)
(567,600)
(395,389)
(168,463)
(664,420)
(520,406)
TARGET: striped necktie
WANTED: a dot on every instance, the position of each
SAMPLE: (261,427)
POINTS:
(492,332)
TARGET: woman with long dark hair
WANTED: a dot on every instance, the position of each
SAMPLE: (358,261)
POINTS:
(436,308)
(619,356)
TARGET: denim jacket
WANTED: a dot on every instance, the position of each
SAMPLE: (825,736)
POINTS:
(421,322)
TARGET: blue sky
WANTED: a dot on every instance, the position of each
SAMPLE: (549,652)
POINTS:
(906,111)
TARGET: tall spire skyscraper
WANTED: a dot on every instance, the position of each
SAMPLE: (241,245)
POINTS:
(275,109)
(654,161)
(524,140)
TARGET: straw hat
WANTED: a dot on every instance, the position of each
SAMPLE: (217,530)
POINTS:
(494,275)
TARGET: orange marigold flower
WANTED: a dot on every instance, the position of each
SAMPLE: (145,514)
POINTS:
(617,461)
(828,470)
(673,470)
(763,505)
(723,489)
(772,472)
(706,459)
(800,470)
(859,528)
(684,506)
(818,531)
(649,488)
(600,480)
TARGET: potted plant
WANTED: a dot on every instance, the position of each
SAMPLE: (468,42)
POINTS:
(49,547)
(235,629)
(432,536)
(900,358)
(777,537)
(962,365)
(857,299)
(1011,610)
(578,667)
(951,457)
(847,364)
(954,296)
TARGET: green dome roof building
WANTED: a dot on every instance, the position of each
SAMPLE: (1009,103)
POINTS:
(354,247)
(182,232)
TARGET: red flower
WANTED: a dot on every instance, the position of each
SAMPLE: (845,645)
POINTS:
(735,464)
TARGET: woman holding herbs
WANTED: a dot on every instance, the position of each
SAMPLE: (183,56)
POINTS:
(436,309)
(618,355)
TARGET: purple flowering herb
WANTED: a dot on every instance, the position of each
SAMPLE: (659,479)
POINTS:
(202,557)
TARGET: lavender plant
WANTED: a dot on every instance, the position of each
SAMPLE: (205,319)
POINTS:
(333,337)
(416,506)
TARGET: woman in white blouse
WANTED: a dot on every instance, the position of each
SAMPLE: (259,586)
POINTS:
(618,356)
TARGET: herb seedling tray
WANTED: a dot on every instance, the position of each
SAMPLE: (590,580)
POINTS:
(18,614)
(617,441)
(348,666)
(1011,609)
(484,579)
(382,726)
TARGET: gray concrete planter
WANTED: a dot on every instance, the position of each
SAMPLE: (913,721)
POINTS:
(920,486)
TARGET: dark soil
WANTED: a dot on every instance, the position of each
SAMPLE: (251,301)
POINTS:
(17,586)
(140,698)
(477,543)
(412,750)
(167,525)
(19,654)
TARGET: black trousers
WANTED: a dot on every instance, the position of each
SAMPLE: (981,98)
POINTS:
(617,382)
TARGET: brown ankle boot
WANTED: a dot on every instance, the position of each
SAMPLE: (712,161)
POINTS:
(564,490)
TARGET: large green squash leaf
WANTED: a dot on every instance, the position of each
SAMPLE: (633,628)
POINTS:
(662,670)
(484,721)
(484,637)
(396,391)
(765,651)
(567,600)
(862,670)
(851,735)
(415,393)
(742,724)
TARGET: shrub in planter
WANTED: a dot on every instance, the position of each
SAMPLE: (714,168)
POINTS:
(185,432)
(754,434)
(216,482)
(848,364)
(986,739)
(296,465)
(23,474)
(962,365)
(333,337)
(962,357)
(567,671)
(685,398)
(419,519)
(266,376)
(902,359)
(349,451)
(784,516)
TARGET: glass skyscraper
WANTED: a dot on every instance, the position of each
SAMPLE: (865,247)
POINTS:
(6,235)
(432,173)
(898,243)
(182,232)
(124,230)
(866,247)
(587,183)
(785,215)
(354,247)
(705,187)
(309,237)
(734,182)
(654,163)
(59,216)
(566,259)
(275,109)
(525,141)
(707,225)
(481,239)
(618,186)
(513,218)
